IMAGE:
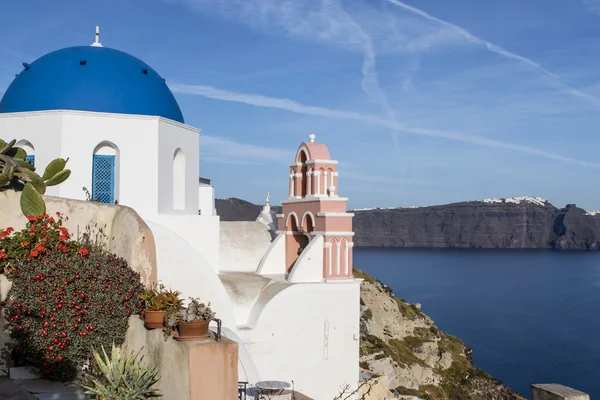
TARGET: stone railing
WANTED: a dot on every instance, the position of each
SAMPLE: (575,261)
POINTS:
(553,391)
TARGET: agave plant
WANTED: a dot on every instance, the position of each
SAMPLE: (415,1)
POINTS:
(121,376)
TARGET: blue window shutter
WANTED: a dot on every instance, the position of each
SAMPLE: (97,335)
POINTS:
(30,159)
(103,179)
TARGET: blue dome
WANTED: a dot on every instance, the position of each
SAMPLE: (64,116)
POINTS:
(89,78)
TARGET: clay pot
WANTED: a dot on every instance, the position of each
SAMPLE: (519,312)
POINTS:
(154,319)
(192,331)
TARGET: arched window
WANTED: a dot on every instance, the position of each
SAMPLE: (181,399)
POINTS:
(330,181)
(104,173)
(303,170)
(334,257)
(322,181)
(179,180)
(344,256)
(29,149)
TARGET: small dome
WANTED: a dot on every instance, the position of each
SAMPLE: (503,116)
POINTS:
(89,78)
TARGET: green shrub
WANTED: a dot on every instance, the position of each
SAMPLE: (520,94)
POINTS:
(402,354)
(367,315)
(409,311)
(414,343)
(66,300)
(121,376)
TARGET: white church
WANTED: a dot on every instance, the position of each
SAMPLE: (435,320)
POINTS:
(283,289)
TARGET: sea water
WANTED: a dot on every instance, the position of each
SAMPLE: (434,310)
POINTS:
(530,316)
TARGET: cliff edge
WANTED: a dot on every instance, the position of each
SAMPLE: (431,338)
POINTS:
(400,342)
(514,223)
(511,223)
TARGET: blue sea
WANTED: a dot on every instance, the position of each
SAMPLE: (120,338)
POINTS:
(530,316)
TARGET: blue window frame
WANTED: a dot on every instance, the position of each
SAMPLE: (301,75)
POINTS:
(30,159)
(103,179)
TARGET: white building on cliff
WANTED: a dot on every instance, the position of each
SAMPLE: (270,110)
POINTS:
(287,297)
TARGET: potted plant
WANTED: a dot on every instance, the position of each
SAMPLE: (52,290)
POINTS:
(157,300)
(191,321)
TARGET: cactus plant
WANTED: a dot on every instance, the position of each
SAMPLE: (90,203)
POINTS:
(18,174)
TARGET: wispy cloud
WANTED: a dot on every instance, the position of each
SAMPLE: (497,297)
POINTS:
(229,151)
(296,107)
(556,79)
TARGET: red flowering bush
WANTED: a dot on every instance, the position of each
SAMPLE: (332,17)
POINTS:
(41,235)
(66,298)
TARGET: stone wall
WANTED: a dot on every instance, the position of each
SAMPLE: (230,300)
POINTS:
(124,231)
(553,391)
(206,370)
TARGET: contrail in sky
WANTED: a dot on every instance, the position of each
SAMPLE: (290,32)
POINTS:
(501,51)
(299,108)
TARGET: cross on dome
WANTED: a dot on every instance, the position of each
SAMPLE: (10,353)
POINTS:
(312,137)
(97,42)
(268,198)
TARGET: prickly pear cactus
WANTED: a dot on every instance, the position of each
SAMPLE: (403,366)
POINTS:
(18,174)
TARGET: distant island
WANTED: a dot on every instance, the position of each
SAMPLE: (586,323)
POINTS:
(507,223)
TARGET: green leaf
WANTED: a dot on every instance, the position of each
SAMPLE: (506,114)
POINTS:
(17,153)
(54,168)
(59,178)
(32,203)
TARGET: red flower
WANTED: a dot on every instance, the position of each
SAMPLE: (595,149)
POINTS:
(3,234)
(3,255)
(84,251)
(25,244)
(51,220)
(31,218)
(34,253)
(10,229)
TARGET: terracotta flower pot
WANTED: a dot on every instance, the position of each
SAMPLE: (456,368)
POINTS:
(154,319)
(192,331)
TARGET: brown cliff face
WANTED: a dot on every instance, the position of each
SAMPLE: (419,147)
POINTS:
(477,224)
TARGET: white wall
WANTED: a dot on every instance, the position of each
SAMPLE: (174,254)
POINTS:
(273,261)
(201,232)
(182,268)
(309,266)
(42,130)
(135,139)
(206,199)
(308,333)
(243,244)
(173,136)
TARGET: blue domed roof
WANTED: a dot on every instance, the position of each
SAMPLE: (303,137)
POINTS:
(90,78)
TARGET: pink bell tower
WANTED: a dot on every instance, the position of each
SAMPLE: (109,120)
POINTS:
(314,209)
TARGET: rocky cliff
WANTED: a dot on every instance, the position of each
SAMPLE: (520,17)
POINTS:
(514,223)
(402,343)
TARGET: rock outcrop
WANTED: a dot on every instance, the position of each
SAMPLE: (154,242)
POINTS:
(502,225)
(514,223)
(402,343)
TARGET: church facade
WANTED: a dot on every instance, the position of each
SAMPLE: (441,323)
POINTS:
(284,289)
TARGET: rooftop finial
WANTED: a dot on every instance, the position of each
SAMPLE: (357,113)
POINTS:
(268,198)
(312,137)
(97,42)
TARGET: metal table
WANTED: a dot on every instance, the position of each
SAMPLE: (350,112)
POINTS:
(271,388)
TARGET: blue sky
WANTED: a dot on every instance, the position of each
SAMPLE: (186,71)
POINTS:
(423,102)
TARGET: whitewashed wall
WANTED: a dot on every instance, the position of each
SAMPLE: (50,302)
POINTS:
(134,137)
(173,136)
(206,199)
(308,333)
(42,130)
